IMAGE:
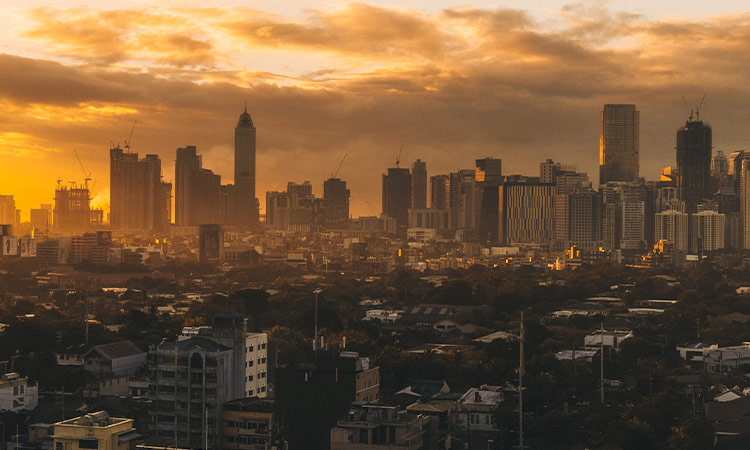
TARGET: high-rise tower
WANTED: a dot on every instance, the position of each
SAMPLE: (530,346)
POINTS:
(244,171)
(619,144)
(419,184)
(694,163)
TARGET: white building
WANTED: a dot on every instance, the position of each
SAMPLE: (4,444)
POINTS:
(256,373)
(672,226)
(711,227)
(477,408)
(16,394)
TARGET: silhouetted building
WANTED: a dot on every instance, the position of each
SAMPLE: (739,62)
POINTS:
(577,220)
(440,187)
(7,210)
(694,163)
(73,212)
(624,216)
(198,193)
(487,177)
(619,145)
(397,195)
(419,184)
(41,218)
(244,210)
(292,210)
(336,201)
(211,243)
(139,199)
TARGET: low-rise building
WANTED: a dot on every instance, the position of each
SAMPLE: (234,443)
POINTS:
(380,426)
(248,424)
(16,394)
(95,431)
(117,358)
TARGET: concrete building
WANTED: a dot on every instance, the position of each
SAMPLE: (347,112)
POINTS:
(419,184)
(440,188)
(694,149)
(336,201)
(625,216)
(709,231)
(292,210)
(190,380)
(619,144)
(250,350)
(525,211)
(243,209)
(41,219)
(381,426)
(310,398)
(248,424)
(16,394)
(397,193)
(198,191)
(72,212)
(487,177)
(114,359)
(139,199)
(578,220)
(672,226)
(7,210)
(95,431)
(476,414)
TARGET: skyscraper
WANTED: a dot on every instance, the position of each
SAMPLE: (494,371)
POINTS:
(139,199)
(244,207)
(397,195)
(336,201)
(419,184)
(488,176)
(198,193)
(440,187)
(525,211)
(694,163)
(619,144)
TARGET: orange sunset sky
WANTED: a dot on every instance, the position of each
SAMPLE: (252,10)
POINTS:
(451,82)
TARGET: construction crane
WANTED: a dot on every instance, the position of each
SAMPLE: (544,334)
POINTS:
(130,136)
(372,209)
(86,175)
(340,164)
(398,158)
(698,108)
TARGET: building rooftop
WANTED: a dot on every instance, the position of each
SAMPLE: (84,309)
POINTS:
(194,342)
(116,350)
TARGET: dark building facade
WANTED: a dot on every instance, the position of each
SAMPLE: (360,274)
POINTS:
(397,195)
(336,201)
(619,144)
(693,148)
(139,199)
(244,210)
(419,184)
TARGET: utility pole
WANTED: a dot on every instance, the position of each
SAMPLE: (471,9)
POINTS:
(520,388)
(601,359)
(315,338)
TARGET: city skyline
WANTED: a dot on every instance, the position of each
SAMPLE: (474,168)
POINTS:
(431,86)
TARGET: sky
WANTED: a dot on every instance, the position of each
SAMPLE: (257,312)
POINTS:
(447,82)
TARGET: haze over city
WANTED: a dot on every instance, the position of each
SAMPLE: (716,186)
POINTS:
(521,81)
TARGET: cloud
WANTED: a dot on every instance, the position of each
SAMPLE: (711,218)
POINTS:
(451,86)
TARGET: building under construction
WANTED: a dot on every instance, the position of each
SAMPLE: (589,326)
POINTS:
(73,211)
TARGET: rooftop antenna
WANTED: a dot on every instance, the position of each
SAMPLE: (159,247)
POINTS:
(341,164)
(130,136)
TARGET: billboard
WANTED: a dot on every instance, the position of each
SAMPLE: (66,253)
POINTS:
(28,247)
(10,245)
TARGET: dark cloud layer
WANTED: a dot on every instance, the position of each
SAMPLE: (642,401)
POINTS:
(450,87)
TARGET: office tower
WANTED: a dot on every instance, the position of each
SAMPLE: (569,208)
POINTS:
(525,211)
(139,199)
(41,218)
(548,171)
(291,210)
(719,164)
(465,193)
(619,144)
(7,210)
(190,379)
(244,208)
(569,181)
(672,226)
(577,220)
(624,211)
(440,188)
(419,184)
(667,198)
(198,191)
(487,177)
(709,231)
(336,201)
(397,195)
(694,163)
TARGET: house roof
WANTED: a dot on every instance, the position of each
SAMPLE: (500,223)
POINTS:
(194,342)
(116,350)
